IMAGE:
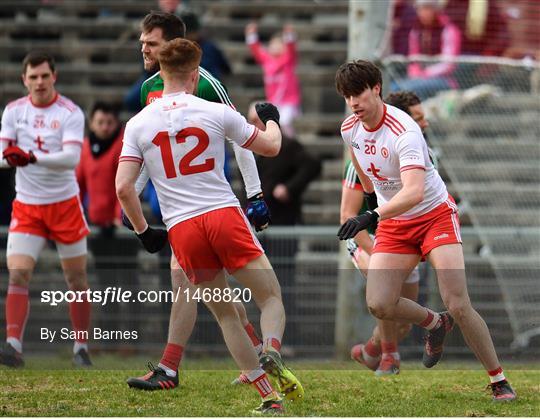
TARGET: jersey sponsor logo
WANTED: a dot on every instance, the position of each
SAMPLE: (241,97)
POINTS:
(22,122)
(355,145)
(384,152)
(152,96)
(370,141)
(375,172)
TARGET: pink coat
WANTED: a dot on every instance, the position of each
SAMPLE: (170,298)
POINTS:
(443,39)
(280,81)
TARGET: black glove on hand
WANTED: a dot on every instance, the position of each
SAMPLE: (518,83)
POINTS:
(354,225)
(267,112)
(371,200)
(153,239)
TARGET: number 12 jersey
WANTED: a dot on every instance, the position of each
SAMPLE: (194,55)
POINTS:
(180,139)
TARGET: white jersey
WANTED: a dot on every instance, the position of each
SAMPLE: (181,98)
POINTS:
(43,130)
(395,145)
(180,138)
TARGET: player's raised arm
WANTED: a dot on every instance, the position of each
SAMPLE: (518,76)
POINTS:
(266,143)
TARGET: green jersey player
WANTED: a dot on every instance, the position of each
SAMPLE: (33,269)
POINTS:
(158,28)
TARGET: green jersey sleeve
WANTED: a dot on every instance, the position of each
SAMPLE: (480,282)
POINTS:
(212,89)
(350,177)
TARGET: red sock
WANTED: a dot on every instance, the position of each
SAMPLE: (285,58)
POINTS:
(273,343)
(389,348)
(262,385)
(17,309)
(431,321)
(496,375)
(372,349)
(172,356)
(79,312)
(255,340)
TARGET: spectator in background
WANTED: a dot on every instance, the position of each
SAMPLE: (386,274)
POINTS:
(523,17)
(213,58)
(482,24)
(97,169)
(114,260)
(402,23)
(278,63)
(433,34)
(284,179)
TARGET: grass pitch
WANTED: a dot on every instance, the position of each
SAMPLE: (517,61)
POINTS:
(48,387)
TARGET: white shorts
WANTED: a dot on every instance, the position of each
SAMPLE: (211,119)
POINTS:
(32,245)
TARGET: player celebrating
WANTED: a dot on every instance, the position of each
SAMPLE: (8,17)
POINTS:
(42,135)
(158,28)
(417,218)
(360,248)
(180,139)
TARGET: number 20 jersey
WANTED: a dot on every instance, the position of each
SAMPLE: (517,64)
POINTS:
(395,145)
(180,138)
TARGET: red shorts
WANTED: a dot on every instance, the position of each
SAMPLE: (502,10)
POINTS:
(62,222)
(419,235)
(218,239)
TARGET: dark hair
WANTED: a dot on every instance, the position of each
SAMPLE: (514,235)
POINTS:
(354,77)
(170,24)
(105,107)
(403,100)
(35,58)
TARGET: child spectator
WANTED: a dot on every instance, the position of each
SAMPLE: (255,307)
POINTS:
(278,62)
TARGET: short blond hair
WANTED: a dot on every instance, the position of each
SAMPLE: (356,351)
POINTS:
(180,57)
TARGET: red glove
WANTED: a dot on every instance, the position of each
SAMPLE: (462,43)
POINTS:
(17,157)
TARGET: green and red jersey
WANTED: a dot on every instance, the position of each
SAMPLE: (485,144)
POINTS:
(209,88)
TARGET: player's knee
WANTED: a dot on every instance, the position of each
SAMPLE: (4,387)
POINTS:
(458,309)
(20,277)
(381,310)
(76,280)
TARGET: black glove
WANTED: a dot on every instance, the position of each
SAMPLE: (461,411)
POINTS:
(354,225)
(125,221)
(153,239)
(257,212)
(371,200)
(267,112)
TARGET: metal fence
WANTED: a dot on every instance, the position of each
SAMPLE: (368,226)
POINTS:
(306,261)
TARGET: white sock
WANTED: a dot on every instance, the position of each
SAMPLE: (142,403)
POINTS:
(254,374)
(77,346)
(168,371)
(258,349)
(16,343)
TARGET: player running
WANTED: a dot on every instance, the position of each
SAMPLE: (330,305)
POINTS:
(416,218)
(158,28)
(180,138)
(380,353)
(42,135)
